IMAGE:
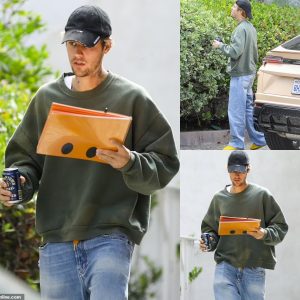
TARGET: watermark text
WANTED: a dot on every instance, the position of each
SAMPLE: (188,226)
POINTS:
(12,297)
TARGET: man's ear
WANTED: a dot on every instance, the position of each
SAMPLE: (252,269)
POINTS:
(107,45)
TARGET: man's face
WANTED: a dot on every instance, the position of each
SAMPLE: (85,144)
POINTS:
(235,12)
(85,61)
(238,179)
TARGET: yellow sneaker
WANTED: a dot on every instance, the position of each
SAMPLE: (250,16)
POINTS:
(256,147)
(228,147)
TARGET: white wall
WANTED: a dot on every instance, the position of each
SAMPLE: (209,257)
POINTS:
(10,284)
(160,244)
(202,174)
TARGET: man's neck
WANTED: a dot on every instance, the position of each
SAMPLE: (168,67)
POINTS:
(86,83)
(240,19)
(238,189)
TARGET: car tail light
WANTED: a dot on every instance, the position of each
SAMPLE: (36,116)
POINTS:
(273,59)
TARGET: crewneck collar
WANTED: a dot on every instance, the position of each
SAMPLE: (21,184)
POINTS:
(249,187)
(85,94)
(244,20)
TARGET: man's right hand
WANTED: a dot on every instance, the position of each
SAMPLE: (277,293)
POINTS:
(5,194)
(203,247)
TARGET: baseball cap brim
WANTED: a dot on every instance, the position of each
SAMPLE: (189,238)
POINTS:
(88,39)
(237,168)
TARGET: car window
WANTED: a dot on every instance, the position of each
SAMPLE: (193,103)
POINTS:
(293,44)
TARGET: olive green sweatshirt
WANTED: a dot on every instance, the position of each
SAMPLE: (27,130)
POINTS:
(79,199)
(242,51)
(244,250)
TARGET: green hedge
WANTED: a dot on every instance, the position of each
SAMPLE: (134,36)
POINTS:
(204,81)
(22,71)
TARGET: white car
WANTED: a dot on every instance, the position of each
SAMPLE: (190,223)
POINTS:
(277,101)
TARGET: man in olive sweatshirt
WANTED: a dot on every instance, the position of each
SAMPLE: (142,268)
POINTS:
(91,214)
(242,259)
(242,53)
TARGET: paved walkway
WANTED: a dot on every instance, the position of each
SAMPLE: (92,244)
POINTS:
(208,140)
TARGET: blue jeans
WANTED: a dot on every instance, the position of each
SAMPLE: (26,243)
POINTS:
(239,284)
(240,112)
(94,269)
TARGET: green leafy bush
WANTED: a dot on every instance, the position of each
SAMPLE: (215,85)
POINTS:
(194,273)
(22,68)
(204,82)
(202,70)
(22,71)
(20,62)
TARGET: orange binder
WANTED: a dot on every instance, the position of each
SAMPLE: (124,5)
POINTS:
(76,132)
(236,226)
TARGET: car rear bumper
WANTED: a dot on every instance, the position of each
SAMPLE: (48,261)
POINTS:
(280,119)
(277,100)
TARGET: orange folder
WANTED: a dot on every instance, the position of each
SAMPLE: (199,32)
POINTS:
(76,132)
(236,226)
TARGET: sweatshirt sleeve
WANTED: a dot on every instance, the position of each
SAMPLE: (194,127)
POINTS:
(210,223)
(237,45)
(154,162)
(276,225)
(21,153)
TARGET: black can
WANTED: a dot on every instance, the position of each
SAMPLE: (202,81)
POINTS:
(206,238)
(11,176)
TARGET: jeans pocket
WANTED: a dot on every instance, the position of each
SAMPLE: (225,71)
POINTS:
(257,272)
(261,271)
(43,246)
(119,236)
(247,81)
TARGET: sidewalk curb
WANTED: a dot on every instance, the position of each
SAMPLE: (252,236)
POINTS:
(196,138)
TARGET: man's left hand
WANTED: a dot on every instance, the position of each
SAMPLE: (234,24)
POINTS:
(216,44)
(258,233)
(117,159)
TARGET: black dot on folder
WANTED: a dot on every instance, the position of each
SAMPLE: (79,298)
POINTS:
(232,231)
(245,232)
(91,152)
(67,148)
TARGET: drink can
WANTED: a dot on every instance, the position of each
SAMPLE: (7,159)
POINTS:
(206,238)
(11,176)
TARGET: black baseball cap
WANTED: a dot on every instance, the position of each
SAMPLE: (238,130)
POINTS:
(87,25)
(246,6)
(238,161)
